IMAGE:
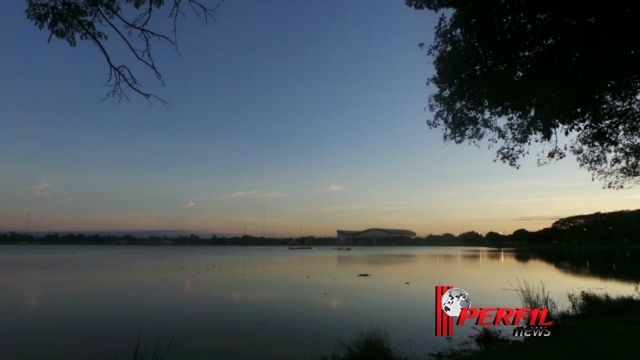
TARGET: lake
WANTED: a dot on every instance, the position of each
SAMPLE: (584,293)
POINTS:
(81,302)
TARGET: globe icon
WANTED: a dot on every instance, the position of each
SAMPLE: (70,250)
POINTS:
(454,300)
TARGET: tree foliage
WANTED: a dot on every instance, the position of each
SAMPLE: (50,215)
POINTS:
(515,73)
(129,21)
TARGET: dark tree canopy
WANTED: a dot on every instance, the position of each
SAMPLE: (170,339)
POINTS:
(128,21)
(517,72)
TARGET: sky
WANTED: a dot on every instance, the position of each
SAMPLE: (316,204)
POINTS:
(287,118)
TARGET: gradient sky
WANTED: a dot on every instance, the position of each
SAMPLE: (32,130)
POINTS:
(311,110)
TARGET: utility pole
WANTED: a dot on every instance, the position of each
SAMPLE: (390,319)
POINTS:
(264,212)
(245,231)
(28,216)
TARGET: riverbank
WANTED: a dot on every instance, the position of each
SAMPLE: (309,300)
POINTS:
(596,337)
(581,337)
(594,327)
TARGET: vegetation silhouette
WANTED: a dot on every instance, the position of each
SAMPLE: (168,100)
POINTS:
(127,20)
(159,352)
(516,73)
(619,229)
(594,326)
(371,344)
(616,228)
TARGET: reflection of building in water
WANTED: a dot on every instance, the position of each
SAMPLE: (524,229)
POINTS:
(372,236)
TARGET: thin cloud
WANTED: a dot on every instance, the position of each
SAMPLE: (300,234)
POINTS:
(204,206)
(339,208)
(272,195)
(255,193)
(393,208)
(537,218)
(44,184)
(41,190)
(240,194)
(190,204)
(68,200)
(333,187)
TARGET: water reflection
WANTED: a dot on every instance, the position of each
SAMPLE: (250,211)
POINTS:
(32,302)
(252,297)
(214,301)
(617,264)
(377,260)
(459,256)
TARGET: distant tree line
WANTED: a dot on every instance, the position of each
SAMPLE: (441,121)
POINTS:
(615,228)
(192,239)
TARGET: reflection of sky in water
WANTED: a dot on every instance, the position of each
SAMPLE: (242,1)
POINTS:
(243,302)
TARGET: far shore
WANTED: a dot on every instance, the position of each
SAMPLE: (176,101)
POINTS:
(352,247)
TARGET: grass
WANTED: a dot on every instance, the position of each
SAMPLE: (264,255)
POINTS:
(596,326)
(591,304)
(484,339)
(159,352)
(615,336)
(535,297)
(372,344)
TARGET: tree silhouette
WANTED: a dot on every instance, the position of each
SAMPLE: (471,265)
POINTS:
(126,20)
(515,73)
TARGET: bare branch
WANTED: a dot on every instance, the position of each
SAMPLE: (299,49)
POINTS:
(72,19)
(148,62)
(119,74)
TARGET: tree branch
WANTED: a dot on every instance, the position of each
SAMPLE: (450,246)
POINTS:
(72,19)
(119,74)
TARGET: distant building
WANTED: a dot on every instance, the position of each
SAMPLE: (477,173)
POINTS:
(375,234)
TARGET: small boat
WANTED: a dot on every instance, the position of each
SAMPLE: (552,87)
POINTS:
(299,247)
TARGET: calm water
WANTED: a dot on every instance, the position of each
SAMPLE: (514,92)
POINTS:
(68,302)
